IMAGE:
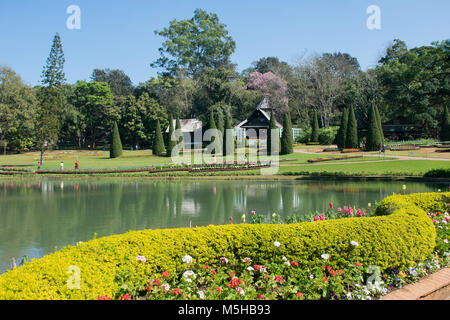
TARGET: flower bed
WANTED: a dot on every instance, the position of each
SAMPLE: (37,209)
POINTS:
(405,147)
(333,158)
(324,260)
(350,150)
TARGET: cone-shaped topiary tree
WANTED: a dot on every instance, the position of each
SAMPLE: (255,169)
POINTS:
(158,141)
(342,132)
(272,125)
(373,138)
(116,145)
(380,125)
(178,127)
(351,139)
(286,136)
(228,141)
(170,144)
(212,125)
(445,125)
(315,128)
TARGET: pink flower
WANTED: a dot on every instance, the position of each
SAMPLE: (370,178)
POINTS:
(357,265)
(279,279)
(260,297)
(345,209)
(322,217)
(339,209)
(253,212)
(104,298)
(141,258)
(445,240)
(224,260)
(165,274)
(350,212)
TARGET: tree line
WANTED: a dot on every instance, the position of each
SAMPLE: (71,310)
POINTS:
(196,78)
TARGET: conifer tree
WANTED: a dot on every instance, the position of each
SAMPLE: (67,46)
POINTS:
(178,127)
(445,125)
(373,138)
(53,72)
(158,141)
(351,139)
(170,144)
(286,136)
(380,125)
(315,128)
(342,132)
(228,142)
(116,145)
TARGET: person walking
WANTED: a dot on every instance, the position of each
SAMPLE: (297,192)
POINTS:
(39,165)
(77,165)
(61,166)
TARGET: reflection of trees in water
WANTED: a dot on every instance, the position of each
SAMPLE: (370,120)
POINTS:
(48,214)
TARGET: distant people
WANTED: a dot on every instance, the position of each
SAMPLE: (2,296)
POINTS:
(89,147)
(380,148)
(39,165)
(214,159)
(61,166)
(77,165)
(137,148)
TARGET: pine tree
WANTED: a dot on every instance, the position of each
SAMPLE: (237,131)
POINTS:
(272,125)
(445,125)
(170,144)
(228,142)
(286,136)
(342,132)
(116,145)
(373,138)
(380,125)
(351,139)
(315,128)
(53,73)
(158,141)
(178,127)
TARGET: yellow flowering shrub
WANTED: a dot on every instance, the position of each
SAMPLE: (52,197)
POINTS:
(400,235)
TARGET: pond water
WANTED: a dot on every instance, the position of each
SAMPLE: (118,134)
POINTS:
(38,217)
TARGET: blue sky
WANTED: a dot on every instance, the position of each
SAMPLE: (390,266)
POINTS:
(120,34)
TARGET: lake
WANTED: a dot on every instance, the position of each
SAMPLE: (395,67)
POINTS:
(39,217)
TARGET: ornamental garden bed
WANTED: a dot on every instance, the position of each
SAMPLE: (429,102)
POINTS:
(333,158)
(404,148)
(335,256)
(350,150)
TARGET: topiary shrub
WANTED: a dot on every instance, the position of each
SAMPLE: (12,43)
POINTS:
(399,236)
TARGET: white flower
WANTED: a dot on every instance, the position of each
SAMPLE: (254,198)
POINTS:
(165,287)
(247,259)
(284,259)
(201,294)
(250,269)
(276,244)
(311,276)
(325,256)
(263,269)
(187,259)
(240,291)
(354,243)
(224,260)
(287,263)
(141,258)
(188,275)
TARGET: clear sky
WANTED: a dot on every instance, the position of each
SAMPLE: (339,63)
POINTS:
(119,34)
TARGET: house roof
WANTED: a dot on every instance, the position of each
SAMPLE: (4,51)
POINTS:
(265,108)
(187,125)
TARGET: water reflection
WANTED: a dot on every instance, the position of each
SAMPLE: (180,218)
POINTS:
(37,217)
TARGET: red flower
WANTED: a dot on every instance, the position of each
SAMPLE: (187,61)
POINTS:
(325,279)
(104,298)
(331,205)
(205,267)
(333,273)
(157,282)
(125,297)
(219,289)
(279,279)
(213,271)
(260,297)
(235,282)
(340,271)
(165,274)
(176,291)
(230,218)
(300,295)
(328,268)
(149,288)
(232,274)
(294,263)
(357,265)
(257,267)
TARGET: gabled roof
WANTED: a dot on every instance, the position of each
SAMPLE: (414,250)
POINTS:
(265,109)
(187,125)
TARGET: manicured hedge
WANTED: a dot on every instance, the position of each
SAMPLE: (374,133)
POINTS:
(399,236)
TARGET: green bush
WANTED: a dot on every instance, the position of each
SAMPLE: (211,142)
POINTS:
(327,135)
(437,173)
(399,236)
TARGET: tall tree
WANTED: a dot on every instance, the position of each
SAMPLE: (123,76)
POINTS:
(351,139)
(178,127)
(373,138)
(53,72)
(119,83)
(445,125)
(194,44)
(212,125)
(272,125)
(342,132)
(228,141)
(158,142)
(315,128)
(286,136)
(170,144)
(116,145)
(379,124)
